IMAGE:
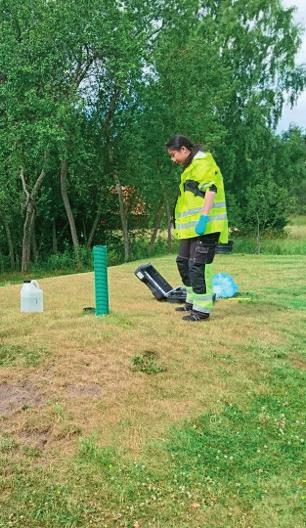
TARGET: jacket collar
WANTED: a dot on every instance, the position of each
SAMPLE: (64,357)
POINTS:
(200,155)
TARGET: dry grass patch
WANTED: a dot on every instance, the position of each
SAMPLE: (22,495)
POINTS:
(88,372)
(85,390)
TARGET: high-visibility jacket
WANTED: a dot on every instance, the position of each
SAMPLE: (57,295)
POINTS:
(200,176)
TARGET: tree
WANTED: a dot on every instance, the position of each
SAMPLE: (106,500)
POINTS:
(89,93)
(267,208)
(290,165)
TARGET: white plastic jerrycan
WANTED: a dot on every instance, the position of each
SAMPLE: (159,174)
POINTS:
(31,297)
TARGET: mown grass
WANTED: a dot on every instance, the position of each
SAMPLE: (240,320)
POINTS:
(241,466)
(292,243)
(281,246)
(221,469)
(17,277)
(215,440)
(299,220)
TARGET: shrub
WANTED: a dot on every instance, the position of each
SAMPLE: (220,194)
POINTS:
(267,207)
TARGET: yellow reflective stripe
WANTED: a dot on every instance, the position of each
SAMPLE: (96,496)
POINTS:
(185,226)
(218,205)
(205,185)
(213,218)
(203,297)
(189,212)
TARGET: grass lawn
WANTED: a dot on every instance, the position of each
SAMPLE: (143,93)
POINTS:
(140,420)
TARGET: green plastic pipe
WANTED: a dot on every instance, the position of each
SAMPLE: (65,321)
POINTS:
(101,282)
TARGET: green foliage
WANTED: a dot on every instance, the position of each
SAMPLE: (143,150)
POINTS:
(4,263)
(267,207)
(290,166)
(234,211)
(67,260)
(103,86)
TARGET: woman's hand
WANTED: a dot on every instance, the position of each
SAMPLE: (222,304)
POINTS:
(201,224)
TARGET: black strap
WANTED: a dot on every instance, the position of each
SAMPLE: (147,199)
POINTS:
(193,187)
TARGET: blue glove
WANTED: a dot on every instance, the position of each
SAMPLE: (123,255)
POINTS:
(201,225)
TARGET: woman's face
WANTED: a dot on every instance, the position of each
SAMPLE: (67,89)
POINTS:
(179,156)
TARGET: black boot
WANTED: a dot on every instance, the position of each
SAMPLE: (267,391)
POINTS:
(196,316)
(187,307)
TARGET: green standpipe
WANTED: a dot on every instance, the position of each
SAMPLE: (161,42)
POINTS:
(101,283)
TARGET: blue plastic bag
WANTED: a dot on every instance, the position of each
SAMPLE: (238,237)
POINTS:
(224,286)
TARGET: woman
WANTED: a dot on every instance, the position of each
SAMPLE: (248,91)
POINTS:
(200,223)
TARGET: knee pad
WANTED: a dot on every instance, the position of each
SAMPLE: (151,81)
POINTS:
(183,268)
(197,276)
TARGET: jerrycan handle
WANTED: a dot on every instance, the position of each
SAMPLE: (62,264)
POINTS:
(35,283)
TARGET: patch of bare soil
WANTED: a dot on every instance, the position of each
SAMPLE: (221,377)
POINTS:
(34,439)
(18,396)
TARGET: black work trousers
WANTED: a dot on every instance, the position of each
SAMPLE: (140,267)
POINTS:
(194,254)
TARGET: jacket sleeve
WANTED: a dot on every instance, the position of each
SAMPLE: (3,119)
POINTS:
(209,176)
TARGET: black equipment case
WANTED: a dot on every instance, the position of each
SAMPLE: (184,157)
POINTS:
(160,288)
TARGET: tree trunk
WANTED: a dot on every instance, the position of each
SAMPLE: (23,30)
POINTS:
(169,225)
(10,244)
(69,213)
(123,213)
(94,226)
(157,222)
(33,239)
(258,234)
(26,240)
(54,237)
(29,216)
(122,209)
(84,232)
(123,218)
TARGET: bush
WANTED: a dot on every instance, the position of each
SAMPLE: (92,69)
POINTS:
(67,260)
(5,263)
(234,211)
(267,207)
